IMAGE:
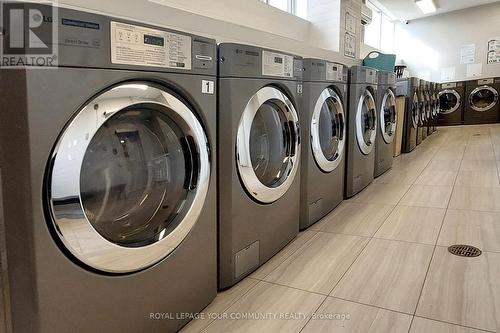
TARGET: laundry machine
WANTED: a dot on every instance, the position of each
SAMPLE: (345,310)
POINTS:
(482,106)
(108,175)
(451,103)
(387,116)
(362,129)
(424,95)
(408,88)
(323,132)
(434,107)
(428,110)
(260,145)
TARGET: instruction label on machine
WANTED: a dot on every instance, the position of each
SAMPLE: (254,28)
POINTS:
(141,46)
(334,72)
(277,64)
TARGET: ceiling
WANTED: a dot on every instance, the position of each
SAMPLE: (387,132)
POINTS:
(407,9)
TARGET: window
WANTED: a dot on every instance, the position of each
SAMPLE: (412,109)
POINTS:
(380,32)
(295,7)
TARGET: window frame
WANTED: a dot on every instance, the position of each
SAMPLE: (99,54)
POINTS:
(383,16)
(291,6)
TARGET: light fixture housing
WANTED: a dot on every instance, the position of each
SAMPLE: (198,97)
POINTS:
(426,6)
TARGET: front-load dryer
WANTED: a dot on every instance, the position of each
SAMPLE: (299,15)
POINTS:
(421,111)
(259,146)
(428,109)
(108,179)
(323,120)
(451,103)
(482,105)
(387,116)
(362,129)
(424,111)
(408,88)
(434,107)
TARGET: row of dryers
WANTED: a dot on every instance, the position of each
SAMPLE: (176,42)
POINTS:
(422,110)
(470,102)
(146,171)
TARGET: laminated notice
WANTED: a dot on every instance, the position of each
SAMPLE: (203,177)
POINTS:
(334,72)
(141,46)
(277,64)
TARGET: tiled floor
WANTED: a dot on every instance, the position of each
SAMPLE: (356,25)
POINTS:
(379,262)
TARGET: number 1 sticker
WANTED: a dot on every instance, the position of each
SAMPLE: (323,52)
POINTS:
(207,87)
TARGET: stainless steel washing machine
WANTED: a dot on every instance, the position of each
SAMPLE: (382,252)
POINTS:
(451,103)
(108,212)
(362,130)
(424,95)
(259,146)
(408,88)
(323,119)
(482,106)
(387,117)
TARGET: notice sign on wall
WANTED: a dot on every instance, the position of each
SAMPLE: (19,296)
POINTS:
(468,54)
(494,50)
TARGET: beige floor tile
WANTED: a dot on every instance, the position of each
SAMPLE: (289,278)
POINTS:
(427,196)
(398,176)
(478,178)
(449,154)
(281,256)
(320,264)
(475,154)
(480,229)
(422,325)
(446,165)
(436,178)
(349,317)
(223,300)
(353,218)
(266,298)
(475,198)
(478,165)
(388,274)
(413,224)
(386,194)
(464,291)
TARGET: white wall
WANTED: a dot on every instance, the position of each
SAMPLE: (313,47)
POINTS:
(430,44)
(244,21)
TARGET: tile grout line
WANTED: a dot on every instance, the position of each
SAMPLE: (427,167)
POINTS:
(435,244)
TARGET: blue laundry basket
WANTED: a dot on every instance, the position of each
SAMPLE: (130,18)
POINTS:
(380,61)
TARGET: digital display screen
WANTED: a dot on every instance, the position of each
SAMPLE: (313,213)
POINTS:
(154,40)
(278,60)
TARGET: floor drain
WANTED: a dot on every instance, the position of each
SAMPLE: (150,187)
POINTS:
(477,134)
(464,250)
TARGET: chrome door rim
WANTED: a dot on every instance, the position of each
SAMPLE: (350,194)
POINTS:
(325,164)
(77,234)
(457,105)
(253,185)
(415,104)
(363,146)
(387,138)
(488,107)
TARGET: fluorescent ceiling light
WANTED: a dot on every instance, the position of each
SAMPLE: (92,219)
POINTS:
(426,6)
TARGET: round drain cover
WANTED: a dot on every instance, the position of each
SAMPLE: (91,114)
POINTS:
(465,250)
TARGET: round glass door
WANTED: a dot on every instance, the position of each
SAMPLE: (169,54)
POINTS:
(328,130)
(415,110)
(483,98)
(128,178)
(268,145)
(428,105)
(366,122)
(388,116)
(449,101)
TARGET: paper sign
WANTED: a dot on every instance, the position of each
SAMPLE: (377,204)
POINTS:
(474,70)
(448,74)
(468,54)
(493,50)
